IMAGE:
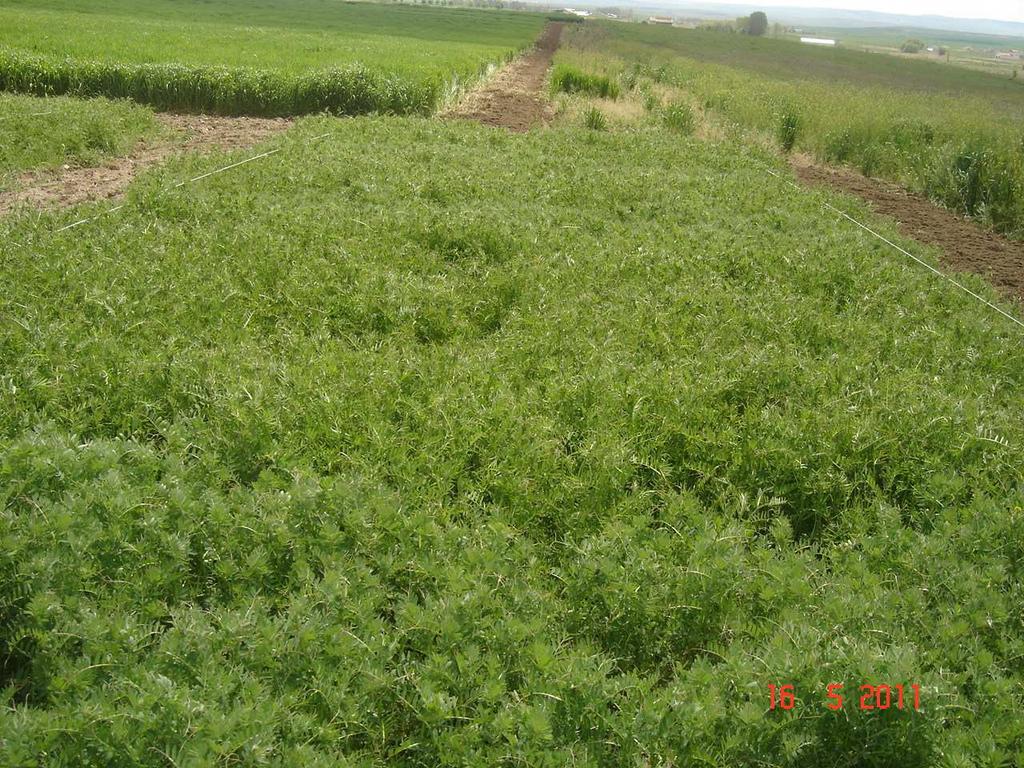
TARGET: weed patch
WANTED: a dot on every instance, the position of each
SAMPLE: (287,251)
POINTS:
(44,133)
(948,132)
(679,117)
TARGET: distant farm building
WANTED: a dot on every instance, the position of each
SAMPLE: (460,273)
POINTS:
(660,20)
(1008,55)
(575,12)
(818,40)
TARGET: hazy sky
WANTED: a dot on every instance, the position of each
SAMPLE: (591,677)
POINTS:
(1004,10)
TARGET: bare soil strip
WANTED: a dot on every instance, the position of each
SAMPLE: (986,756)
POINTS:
(965,246)
(71,185)
(514,97)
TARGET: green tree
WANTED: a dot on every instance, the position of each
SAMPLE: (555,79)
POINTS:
(758,24)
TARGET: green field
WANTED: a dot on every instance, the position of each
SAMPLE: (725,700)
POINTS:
(952,133)
(789,61)
(964,49)
(427,444)
(414,442)
(44,133)
(894,36)
(238,57)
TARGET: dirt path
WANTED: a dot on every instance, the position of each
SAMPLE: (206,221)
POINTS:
(514,98)
(966,246)
(71,185)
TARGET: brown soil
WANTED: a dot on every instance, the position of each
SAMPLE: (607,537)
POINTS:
(514,97)
(965,246)
(71,185)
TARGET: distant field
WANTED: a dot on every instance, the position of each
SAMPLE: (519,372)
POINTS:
(282,57)
(964,49)
(42,133)
(787,60)
(426,444)
(896,35)
(950,132)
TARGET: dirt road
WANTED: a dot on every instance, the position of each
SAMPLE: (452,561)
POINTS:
(514,97)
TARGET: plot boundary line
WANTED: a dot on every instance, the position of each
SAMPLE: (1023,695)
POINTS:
(905,252)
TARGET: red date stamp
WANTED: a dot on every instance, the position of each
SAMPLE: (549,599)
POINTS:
(866,697)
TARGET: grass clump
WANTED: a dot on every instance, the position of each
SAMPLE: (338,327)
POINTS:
(595,120)
(982,181)
(788,129)
(565,18)
(679,117)
(568,79)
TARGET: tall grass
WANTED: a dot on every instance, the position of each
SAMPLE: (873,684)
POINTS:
(595,120)
(679,117)
(568,79)
(293,36)
(344,91)
(233,57)
(788,128)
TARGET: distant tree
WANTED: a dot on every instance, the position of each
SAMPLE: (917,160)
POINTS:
(912,46)
(758,23)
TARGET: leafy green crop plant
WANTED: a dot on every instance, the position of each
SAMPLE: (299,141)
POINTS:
(427,444)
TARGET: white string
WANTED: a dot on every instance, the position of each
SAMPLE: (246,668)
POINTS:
(905,252)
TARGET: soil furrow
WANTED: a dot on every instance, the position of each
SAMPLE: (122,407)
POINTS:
(514,97)
(965,245)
